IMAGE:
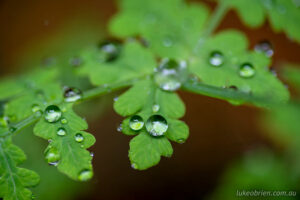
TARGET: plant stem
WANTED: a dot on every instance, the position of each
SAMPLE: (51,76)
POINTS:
(213,23)
(92,93)
(221,93)
(98,91)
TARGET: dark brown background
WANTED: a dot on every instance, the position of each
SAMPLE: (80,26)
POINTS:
(219,131)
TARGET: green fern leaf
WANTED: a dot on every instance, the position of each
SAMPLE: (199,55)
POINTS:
(284,15)
(229,74)
(145,99)
(68,148)
(14,181)
(172,27)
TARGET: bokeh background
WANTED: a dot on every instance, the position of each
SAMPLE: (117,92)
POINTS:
(35,31)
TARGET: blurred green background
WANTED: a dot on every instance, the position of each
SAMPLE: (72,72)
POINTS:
(223,148)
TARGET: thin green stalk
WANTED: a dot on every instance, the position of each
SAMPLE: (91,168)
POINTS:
(213,23)
(223,93)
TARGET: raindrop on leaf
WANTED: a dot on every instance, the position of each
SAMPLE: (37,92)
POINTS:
(79,137)
(136,123)
(156,125)
(52,114)
(216,59)
(247,70)
(72,94)
(85,175)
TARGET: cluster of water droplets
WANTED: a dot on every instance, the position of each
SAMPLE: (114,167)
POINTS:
(170,74)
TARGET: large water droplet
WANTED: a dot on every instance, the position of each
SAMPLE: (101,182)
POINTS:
(52,156)
(136,123)
(110,51)
(79,137)
(264,47)
(216,59)
(170,74)
(61,132)
(52,114)
(155,108)
(72,94)
(85,175)
(156,125)
(247,70)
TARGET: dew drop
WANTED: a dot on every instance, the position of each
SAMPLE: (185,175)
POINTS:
(168,42)
(12,129)
(35,108)
(156,125)
(180,141)
(134,166)
(52,114)
(64,121)
(61,132)
(79,137)
(264,47)
(120,128)
(72,94)
(109,51)
(155,108)
(4,121)
(170,74)
(92,154)
(247,70)
(85,175)
(52,156)
(136,123)
(216,59)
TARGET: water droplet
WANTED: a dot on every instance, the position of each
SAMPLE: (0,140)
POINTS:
(247,70)
(92,154)
(134,166)
(155,108)
(170,74)
(52,156)
(85,175)
(79,137)
(264,47)
(35,108)
(4,121)
(168,42)
(157,125)
(181,141)
(64,121)
(116,99)
(216,59)
(12,129)
(72,94)
(120,128)
(52,114)
(136,123)
(61,132)
(110,51)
